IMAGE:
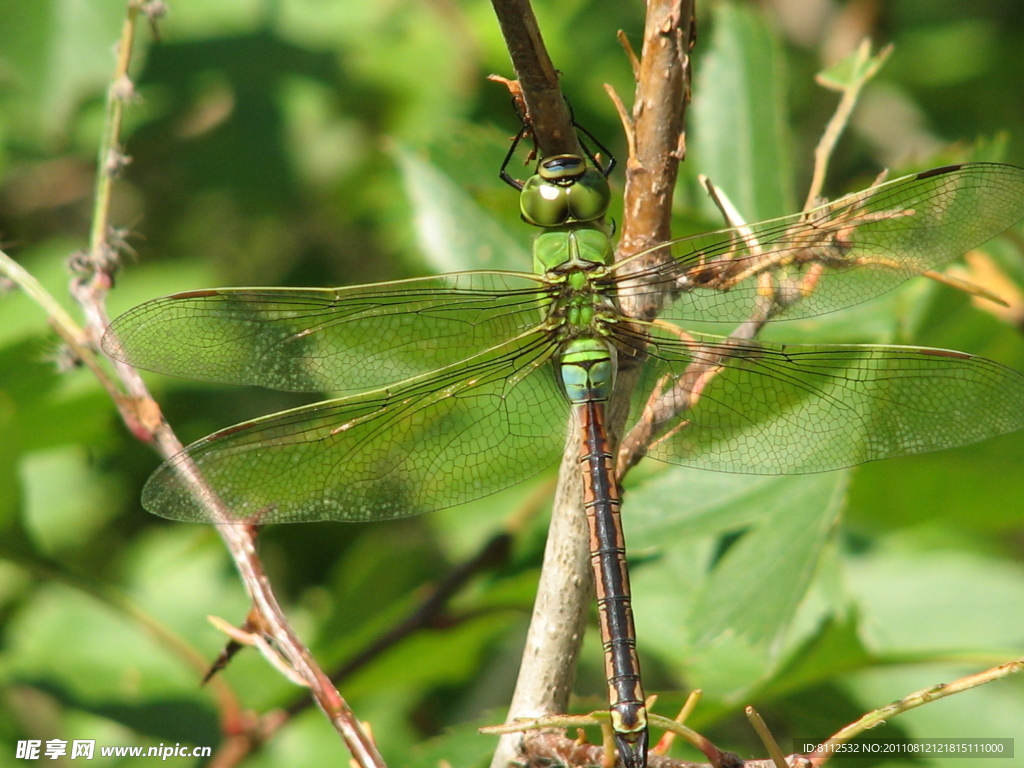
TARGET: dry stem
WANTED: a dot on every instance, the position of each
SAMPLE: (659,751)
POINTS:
(142,414)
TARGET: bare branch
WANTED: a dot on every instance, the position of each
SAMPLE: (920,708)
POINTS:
(655,133)
(547,113)
(141,413)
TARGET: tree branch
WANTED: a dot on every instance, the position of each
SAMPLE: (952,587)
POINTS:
(565,590)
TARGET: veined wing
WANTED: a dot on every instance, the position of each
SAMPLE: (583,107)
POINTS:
(317,339)
(833,256)
(440,439)
(751,407)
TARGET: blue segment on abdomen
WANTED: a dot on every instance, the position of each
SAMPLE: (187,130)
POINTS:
(587,370)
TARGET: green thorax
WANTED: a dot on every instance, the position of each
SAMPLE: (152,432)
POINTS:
(569,199)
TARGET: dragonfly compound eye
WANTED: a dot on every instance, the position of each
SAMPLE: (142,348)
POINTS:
(564,191)
(590,196)
(544,203)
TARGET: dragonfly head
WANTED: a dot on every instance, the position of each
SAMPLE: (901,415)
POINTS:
(565,189)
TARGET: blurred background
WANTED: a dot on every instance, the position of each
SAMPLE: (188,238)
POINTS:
(306,143)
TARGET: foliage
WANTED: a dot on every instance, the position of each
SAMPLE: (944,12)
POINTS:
(296,143)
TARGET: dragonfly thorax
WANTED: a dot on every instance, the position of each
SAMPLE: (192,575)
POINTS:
(583,300)
(570,248)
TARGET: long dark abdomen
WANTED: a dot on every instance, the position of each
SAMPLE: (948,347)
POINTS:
(602,501)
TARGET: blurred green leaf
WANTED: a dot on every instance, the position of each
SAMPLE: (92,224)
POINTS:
(90,651)
(849,72)
(51,62)
(737,606)
(62,497)
(263,152)
(907,596)
(454,232)
(462,746)
(930,46)
(740,140)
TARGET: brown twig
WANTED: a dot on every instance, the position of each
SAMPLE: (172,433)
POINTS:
(912,701)
(547,112)
(656,126)
(143,417)
(655,139)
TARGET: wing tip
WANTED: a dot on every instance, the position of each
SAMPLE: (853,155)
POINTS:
(940,171)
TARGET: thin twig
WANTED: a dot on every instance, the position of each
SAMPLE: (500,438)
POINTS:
(772,746)
(912,701)
(547,112)
(866,68)
(655,132)
(141,413)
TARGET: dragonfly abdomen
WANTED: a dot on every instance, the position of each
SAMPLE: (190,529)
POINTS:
(588,371)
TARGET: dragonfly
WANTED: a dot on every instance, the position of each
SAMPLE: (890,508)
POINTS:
(462,384)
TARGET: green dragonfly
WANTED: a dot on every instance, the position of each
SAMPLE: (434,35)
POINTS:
(464,382)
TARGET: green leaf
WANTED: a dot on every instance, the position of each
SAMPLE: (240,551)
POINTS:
(835,647)
(855,69)
(922,601)
(454,232)
(736,612)
(460,746)
(110,657)
(50,50)
(65,502)
(753,592)
(740,134)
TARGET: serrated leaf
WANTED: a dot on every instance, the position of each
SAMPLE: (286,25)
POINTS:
(724,622)
(755,588)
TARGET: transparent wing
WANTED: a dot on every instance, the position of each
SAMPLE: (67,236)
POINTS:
(750,407)
(447,438)
(311,340)
(834,256)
